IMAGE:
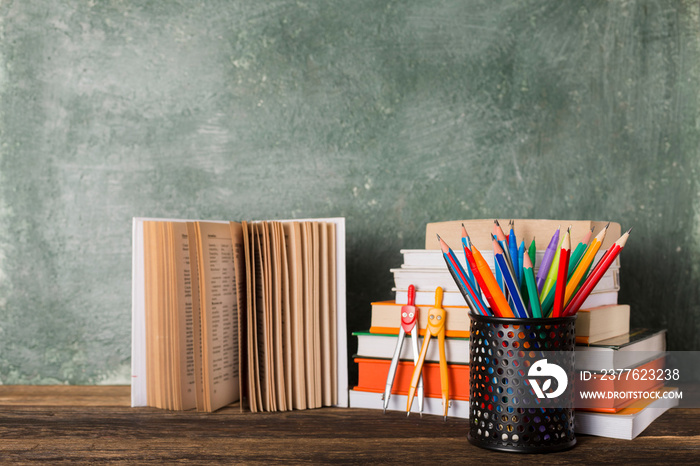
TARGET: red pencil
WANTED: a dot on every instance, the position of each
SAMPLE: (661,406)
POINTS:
(496,309)
(562,274)
(596,274)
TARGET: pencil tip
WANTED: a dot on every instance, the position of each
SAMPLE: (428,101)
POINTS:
(408,414)
(606,226)
(496,222)
(629,231)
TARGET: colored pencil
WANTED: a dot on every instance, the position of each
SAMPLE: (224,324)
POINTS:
(584,264)
(509,280)
(596,274)
(467,244)
(529,279)
(521,254)
(460,277)
(560,287)
(513,251)
(477,276)
(532,252)
(499,304)
(551,274)
(547,261)
(578,252)
(498,233)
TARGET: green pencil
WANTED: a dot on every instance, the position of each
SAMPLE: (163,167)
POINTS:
(531,287)
(578,253)
(532,252)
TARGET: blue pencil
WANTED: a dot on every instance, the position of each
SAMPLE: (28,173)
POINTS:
(513,250)
(467,244)
(521,254)
(460,276)
(509,280)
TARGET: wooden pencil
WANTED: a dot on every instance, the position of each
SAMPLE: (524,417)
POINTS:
(560,286)
(493,293)
(584,264)
(596,274)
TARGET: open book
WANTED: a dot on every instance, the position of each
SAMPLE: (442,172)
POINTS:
(250,311)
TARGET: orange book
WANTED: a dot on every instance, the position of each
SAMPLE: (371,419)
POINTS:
(386,319)
(646,376)
(373,373)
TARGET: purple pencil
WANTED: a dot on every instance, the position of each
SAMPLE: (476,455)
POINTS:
(547,260)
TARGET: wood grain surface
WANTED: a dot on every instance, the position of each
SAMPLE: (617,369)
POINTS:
(51,424)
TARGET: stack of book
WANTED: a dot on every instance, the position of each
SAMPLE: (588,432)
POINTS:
(603,335)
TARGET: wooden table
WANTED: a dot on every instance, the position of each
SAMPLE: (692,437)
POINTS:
(95,424)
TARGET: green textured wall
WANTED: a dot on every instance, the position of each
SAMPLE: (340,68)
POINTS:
(390,113)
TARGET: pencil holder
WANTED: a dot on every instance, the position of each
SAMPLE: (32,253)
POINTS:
(521,384)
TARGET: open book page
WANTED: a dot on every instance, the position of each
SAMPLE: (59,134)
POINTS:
(325,323)
(196,316)
(172,349)
(293,235)
(219,309)
(286,318)
(308,312)
(152,293)
(316,290)
(333,311)
(277,322)
(257,274)
(267,312)
(184,339)
(251,299)
(167,326)
(241,324)
(162,320)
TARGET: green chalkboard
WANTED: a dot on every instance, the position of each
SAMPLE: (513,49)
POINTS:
(389,113)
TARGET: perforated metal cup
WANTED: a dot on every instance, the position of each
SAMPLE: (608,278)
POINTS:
(521,384)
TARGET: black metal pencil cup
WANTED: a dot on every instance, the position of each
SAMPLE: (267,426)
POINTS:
(521,384)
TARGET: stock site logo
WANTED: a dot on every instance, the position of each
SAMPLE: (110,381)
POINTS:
(542,369)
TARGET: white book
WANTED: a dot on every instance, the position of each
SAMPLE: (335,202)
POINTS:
(627,423)
(455,298)
(374,345)
(433,258)
(371,400)
(430,279)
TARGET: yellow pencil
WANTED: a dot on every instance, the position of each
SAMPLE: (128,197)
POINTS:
(583,264)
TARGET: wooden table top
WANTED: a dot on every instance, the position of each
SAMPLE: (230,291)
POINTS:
(95,423)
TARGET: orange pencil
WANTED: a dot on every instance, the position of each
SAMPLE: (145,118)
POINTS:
(560,286)
(499,304)
(584,264)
